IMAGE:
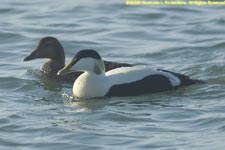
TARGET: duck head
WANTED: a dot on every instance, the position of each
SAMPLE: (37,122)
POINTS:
(50,48)
(86,61)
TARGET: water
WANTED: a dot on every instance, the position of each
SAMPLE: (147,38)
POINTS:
(39,114)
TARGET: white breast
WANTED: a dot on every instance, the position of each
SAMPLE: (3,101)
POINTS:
(90,85)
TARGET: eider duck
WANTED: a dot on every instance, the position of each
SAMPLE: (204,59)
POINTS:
(124,81)
(50,48)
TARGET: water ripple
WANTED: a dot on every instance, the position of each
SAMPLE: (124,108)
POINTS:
(183,39)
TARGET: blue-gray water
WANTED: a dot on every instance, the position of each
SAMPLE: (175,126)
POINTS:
(36,113)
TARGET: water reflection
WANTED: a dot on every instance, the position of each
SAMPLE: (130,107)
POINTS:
(86,104)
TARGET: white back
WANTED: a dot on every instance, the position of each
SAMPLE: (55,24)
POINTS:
(131,74)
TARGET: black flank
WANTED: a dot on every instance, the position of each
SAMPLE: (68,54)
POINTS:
(149,84)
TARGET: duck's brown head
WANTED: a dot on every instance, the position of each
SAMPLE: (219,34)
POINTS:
(50,48)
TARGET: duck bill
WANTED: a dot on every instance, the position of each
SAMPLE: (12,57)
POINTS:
(32,56)
(66,69)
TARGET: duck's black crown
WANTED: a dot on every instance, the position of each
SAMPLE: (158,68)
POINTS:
(87,53)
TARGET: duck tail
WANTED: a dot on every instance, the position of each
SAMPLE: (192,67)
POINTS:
(185,80)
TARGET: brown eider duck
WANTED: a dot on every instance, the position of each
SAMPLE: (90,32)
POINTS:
(50,48)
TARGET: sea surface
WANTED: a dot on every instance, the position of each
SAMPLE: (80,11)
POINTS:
(39,114)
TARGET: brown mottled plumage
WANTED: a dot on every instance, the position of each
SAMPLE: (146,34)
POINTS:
(50,48)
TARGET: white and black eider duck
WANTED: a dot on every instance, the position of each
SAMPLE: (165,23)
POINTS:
(50,48)
(124,81)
